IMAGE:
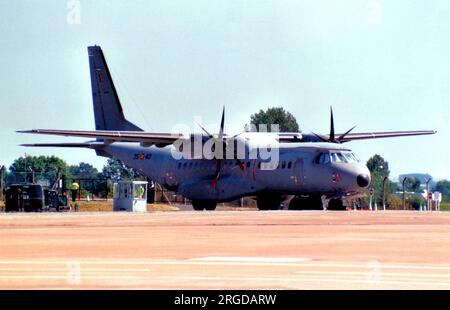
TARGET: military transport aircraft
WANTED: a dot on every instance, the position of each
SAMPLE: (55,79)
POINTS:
(311,167)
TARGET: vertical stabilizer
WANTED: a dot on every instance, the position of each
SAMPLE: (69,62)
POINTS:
(108,111)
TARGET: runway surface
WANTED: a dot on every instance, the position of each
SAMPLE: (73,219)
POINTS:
(226,250)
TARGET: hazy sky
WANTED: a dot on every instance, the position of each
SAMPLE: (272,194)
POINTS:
(382,65)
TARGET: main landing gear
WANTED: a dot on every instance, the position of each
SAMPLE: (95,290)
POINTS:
(268,202)
(306,203)
(200,205)
(315,203)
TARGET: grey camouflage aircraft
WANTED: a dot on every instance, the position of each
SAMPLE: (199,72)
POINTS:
(309,168)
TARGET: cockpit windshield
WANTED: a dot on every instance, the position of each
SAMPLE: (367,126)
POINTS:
(336,157)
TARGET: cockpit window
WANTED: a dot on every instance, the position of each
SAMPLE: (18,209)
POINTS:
(350,157)
(343,157)
(322,159)
(336,157)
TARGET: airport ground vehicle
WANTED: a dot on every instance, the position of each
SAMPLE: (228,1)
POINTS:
(27,197)
(30,197)
(53,200)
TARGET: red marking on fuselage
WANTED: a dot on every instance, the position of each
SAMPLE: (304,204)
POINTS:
(253,170)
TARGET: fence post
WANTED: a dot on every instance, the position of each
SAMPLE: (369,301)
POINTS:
(404,197)
(384,193)
(2,170)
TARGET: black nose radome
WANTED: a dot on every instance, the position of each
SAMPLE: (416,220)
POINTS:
(363,180)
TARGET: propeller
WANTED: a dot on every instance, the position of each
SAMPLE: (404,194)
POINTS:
(220,139)
(332,137)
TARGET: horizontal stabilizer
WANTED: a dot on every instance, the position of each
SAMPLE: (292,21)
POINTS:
(75,145)
(111,136)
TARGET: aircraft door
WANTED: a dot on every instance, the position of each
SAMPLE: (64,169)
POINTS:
(298,172)
(170,176)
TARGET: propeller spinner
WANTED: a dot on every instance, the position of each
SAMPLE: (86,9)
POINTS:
(220,139)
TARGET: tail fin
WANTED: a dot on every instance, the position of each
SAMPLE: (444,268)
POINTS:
(108,111)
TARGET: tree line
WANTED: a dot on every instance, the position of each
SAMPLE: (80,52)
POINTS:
(44,170)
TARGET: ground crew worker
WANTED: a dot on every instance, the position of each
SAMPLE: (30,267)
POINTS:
(75,188)
(139,192)
(142,192)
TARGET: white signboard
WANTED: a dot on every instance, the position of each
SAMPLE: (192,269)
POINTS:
(437,196)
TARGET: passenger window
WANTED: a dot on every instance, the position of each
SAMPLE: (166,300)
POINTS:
(283,165)
(179,165)
(289,165)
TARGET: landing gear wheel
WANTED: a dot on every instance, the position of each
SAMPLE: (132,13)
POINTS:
(266,203)
(336,205)
(200,205)
(306,203)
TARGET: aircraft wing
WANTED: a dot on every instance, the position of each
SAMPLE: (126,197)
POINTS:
(109,136)
(389,134)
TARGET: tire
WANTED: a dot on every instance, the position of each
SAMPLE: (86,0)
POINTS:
(267,203)
(200,205)
(305,203)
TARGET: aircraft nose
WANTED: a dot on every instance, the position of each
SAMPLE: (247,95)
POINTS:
(363,180)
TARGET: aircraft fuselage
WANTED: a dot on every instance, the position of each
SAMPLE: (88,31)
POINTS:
(298,171)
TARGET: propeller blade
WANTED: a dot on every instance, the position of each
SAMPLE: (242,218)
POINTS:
(344,134)
(217,173)
(241,164)
(222,123)
(206,131)
(331,138)
(322,138)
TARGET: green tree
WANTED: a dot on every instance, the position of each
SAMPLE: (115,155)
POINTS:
(443,186)
(84,171)
(412,185)
(87,176)
(377,164)
(115,170)
(45,167)
(276,115)
(379,169)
